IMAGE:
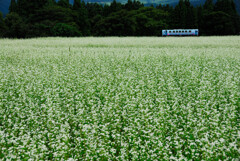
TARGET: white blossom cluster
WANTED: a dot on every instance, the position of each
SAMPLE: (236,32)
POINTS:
(120,98)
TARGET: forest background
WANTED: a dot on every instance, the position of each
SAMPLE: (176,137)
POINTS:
(44,18)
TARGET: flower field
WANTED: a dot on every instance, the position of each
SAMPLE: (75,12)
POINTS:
(145,98)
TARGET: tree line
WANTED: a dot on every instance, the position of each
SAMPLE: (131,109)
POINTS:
(41,18)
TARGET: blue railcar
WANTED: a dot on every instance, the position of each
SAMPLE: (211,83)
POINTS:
(180,32)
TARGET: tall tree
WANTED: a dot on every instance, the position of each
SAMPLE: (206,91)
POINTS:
(22,7)
(94,9)
(76,4)
(51,2)
(82,17)
(191,15)
(207,19)
(2,25)
(15,26)
(179,15)
(200,20)
(208,5)
(133,5)
(119,23)
(64,3)
(29,7)
(129,5)
(219,23)
(137,4)
(115,6)
(13,6)
(228,7)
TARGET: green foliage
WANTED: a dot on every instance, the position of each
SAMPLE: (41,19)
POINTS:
(146,21)
(65,30)
(119,23)
(15,26)
(27,8)
(219,23)
(55,14)
(115,6)
(2,26)
(64,3)
(13,6)
(42,29)
(226,6)
(81,17)
(150,21)
(220,19)
(184,15)
(200,20)
(208,5)
(133,5)
(77,4)
(94,9)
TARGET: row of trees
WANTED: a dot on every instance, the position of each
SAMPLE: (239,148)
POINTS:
(39,18)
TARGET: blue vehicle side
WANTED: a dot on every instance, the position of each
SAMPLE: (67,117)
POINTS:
(180,32)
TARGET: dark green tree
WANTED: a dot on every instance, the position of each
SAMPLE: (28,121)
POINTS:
(179,15)
(27,8)
(219,23)
(2,25)
(150,21)
(40,29)
(119,23)
(133,5)
(15,26)
(13,6)
(94,9)
(184,15)
(50,2)
(81,18)
(55,14)
(200,20)
(115,6)
(191,16)
(220,19)
(228,7)
(208,5)
(129,5)
(137,4)
(64,3)
(76,4)
(65,30)
(22,7)
(205,21)
(106,10)
(166,8)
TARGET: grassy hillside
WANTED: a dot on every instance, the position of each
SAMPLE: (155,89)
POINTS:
(120,98)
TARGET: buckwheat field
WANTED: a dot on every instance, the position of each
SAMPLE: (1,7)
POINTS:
(148,98)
